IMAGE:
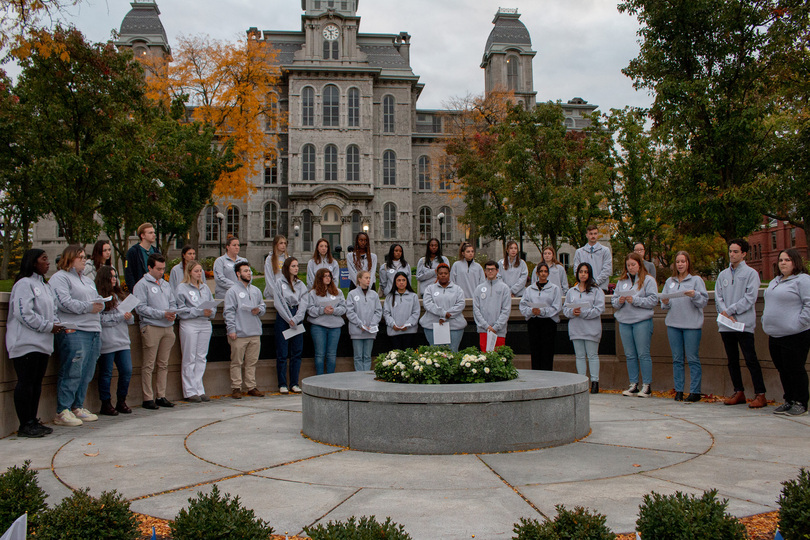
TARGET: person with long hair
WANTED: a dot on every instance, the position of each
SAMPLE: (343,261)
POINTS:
(541,305)
(444,304)
(32,321)
(584,305)
(635,298)
(685,324)
(178,273)
(394,263)
(325,309)
(556,270)
(492,304)
(102,251)
(513,270)
(195,330)
(401,312)
(115,344)
(362,259)
(364,311)
(78,306)
(289,298)
(786,320)
(426,267)
(466,273)
(322,258)
(224,267)
(273,263)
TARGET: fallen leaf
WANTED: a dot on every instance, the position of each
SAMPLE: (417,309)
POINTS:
(636,465)
(90,455)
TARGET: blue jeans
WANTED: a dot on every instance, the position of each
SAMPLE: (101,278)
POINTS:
(123,361)
(285,349)
(78,352)
(585,349)
(362,354)
(685,341)
(636,339)
(325,341)
(455,338)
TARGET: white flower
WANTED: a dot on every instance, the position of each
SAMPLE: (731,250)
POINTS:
(486,370)
(481,357)
(467,364)
(429,362)
(474,370)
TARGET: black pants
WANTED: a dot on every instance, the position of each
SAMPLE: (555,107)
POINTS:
(542,334)
(402,341)
(745,341)
(30,371)
(789,355)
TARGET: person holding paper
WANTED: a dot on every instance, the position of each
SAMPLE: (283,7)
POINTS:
(492,304)
(634,299)
(735,295)
(195,310)
(556,270)
(426,267)
(289,298)
(322,258)
(541,305)
(513,270)
(444,305)
(401,312)
(325,308)
(584,306)
(272,264)
(466,273)
(157,310)
(77,306)
(243,310)
(115,344)
(394,263)
(101,256)
(786,320)
(598,256)
(178,273)
(225,267)
(137,255)
(364,311)
(361,259)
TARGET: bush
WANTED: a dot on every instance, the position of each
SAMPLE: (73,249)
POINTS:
(579,524)
(368,528)
(439,365)
(20,493)
(685,517)
(208,263)
(83,516)
(216,516)
(794,507)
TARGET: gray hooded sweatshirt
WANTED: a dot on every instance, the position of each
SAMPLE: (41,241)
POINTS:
(363,308)
(387,276)
(685,312)
(588,325)
(31,316)
(74,295)
(601,261)
(285,297)
(438,301)
(644,300)
(426,275)
(114,331)
(492,304)
(468,276)
(156,299)
(404,313)
(550,295)
(316,305)
(515,278)
(224,275)
(787,306)
(735,292)
(189,297)
(238,318)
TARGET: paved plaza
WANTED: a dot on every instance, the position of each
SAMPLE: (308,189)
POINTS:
(253,447)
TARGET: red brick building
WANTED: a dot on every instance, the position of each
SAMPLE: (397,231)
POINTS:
(766,243)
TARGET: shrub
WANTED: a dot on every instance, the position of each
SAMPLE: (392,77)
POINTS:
(477,367)
(83,516)
(368,528)
(794,507)
(685,517)
(208,263)
(439,365)
(579,524)
(215,516)
(20,493)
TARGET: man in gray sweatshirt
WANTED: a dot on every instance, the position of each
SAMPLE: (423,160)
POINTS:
(244,307)
(598,256)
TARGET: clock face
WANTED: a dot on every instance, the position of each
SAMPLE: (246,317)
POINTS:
(331,32)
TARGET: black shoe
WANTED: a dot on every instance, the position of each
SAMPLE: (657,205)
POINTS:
(679,396)
(45,429)
(204,398)
(693,397)
(30,430)
(163,402)
(594,387)
(151,405)
(783,408)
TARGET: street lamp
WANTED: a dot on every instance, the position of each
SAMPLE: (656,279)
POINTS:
(221,217)
(365,227)
(441,228)
(296,228)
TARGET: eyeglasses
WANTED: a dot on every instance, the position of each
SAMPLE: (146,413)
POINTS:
(82,257)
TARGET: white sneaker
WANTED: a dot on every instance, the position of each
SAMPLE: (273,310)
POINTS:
(84,415)
(66,418)
(645,391)
(283,390)
(296,389)
(632,391)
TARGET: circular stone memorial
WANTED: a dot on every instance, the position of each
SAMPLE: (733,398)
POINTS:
(536,410)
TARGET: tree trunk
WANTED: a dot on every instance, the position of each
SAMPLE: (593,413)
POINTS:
(6,253)
(194,235)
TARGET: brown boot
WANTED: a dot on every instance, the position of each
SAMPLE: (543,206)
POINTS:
(121,406)
(737,399)
(107,409)
(758,402)
(236,394)
(255,392)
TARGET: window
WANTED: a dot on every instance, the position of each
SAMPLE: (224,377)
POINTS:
(330,49)
(306,230)
(793,237)
(569,123)
(354,107)
(775,269)
(211,224)
(270,220)
(425,224)
(388,114)
(424,172)
(352,164)
(308,163)
(512,67)
(390,220)
(565,260)
(271,117)
(331,106)
(330,163)
(389,168)
(448,225)
(773,240)
(446,173)
(357,225)
(270,170)
(232,222)
(308,106)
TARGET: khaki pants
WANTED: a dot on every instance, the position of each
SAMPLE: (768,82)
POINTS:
(244,351)
(157,343)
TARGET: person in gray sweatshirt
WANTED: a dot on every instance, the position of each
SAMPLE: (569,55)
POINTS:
(426,267)
(684,324)
(289,299)
(225,267)
(244,307)
(541,305)
(394,263)
(325,309)
(597,255)
(492,304)
(513,270)
(735,295)
(466,273)
(322,258)
(444,304)
(361,258)
(187,254)
(195,330)
(273,263)
(584,305)
(157,311)
(115,344)
(401,312)
(634,300)
(556,269)
(786,320)
(364,311)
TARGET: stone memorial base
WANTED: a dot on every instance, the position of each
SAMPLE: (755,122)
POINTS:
(536,410)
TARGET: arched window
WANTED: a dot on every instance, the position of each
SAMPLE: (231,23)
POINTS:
(389,168)
(569,123)
(354,107)
(512,68)
(306,230)
(232,222)
(270,220)
(424,172)
(353,164)
(308,163)
(331,106)
(425,224)
(390,221)
(448,225)
(388,114)
(308,106)
(330,163)
(211,224)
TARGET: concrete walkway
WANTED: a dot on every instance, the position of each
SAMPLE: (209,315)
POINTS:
(253,447)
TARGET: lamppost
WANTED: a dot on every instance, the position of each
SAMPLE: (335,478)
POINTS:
(440,217)
(221,217)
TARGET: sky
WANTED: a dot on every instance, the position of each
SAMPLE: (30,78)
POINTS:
(581,45)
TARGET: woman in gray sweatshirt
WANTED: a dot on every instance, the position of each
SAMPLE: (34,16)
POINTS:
(289,298)
(584,305)
(325,309)
(401,312)
(541,304)
(444,304)
(114,344)
(426,267)
(466,273)
(513,270)
(195,329)
(364,311)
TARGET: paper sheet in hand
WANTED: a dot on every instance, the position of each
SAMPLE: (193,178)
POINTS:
(374,329)
(491,339)
(291,332)
(543,303)
(627,294)
(101,300)
(210,304)
(677,294)
(247,307)
(725,321)
(441,334)
(575,306)
(128,304)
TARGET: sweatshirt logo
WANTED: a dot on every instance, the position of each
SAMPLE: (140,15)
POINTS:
(356,298)
(241,295)
(725,283)
(193,294)
(154,290)
(37,292)
(436,293)
(483,289)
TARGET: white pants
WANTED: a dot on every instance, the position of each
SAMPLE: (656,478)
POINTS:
(194,337)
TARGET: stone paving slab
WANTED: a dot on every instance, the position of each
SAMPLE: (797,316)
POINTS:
(670,434)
